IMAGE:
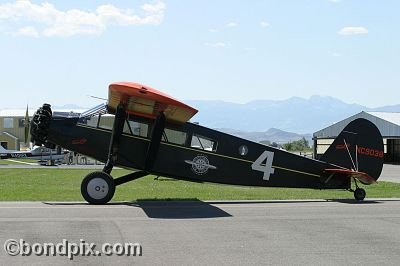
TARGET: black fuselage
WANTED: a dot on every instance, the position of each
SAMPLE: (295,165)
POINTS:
(193,152)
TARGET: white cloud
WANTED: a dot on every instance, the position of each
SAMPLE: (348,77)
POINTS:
(157,8)
(217,45)
(264,24)
(335,1)
(231,24)
(353,31)
(54,22)
(213,30)
(27,31)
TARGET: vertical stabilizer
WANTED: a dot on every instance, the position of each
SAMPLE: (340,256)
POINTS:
(358,147)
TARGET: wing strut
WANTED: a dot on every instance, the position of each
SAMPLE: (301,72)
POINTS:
(151,155)
(120,116)
(156,136)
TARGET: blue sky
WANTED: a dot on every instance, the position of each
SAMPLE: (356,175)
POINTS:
(61,51)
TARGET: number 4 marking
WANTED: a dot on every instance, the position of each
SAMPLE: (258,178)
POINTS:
(267,168)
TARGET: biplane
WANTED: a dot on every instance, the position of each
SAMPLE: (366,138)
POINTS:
(150,133)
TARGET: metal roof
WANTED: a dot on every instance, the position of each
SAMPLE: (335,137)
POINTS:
(390,117)
(387,123)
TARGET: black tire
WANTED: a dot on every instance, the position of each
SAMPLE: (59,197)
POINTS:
(98,188)
(359,194)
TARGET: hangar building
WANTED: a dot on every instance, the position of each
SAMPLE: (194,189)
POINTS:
(387,123)
(12,128)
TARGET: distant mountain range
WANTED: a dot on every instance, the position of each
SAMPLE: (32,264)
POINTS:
(303,116)
(271,135)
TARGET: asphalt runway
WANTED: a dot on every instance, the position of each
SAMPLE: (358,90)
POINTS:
(212,233)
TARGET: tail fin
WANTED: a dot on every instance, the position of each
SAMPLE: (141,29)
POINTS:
(359,147)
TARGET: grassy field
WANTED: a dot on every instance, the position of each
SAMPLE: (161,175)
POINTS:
(16,160)
(64,185)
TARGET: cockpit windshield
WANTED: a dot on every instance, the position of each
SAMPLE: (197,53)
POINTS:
(97,110)
(91,116)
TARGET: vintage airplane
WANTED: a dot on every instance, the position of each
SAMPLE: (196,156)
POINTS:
(150,133)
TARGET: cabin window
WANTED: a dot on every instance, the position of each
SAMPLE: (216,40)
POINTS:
(90,121)
(203,143)
(136,128)
(93,121)
(106,121)
(174,136)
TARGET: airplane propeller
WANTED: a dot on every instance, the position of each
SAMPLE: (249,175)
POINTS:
(26,125)
(39,125)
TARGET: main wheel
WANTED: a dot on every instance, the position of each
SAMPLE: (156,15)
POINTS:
(359,194)
(98,188)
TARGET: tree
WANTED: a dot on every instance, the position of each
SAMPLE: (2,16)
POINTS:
(274,144)
(297,145)
(265,142)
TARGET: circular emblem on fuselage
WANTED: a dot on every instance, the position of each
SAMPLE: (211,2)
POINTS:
(200,165)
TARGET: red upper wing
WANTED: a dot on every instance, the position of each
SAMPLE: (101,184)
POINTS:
(147,102)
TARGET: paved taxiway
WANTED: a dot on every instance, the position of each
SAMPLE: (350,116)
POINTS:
(213,233)
(391,173)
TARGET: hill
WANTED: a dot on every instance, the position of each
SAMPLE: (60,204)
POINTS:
(295,114)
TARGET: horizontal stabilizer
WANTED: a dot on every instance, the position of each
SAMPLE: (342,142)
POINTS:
(363,177)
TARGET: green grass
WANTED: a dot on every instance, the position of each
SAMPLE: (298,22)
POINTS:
(26,160)
(64,185)
(16,160)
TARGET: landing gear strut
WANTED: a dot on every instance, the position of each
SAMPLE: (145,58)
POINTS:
(99,187)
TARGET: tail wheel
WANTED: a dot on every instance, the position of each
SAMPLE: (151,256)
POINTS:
(359,194)
(98,188)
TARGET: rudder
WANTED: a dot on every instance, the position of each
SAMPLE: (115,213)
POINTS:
(359,147)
